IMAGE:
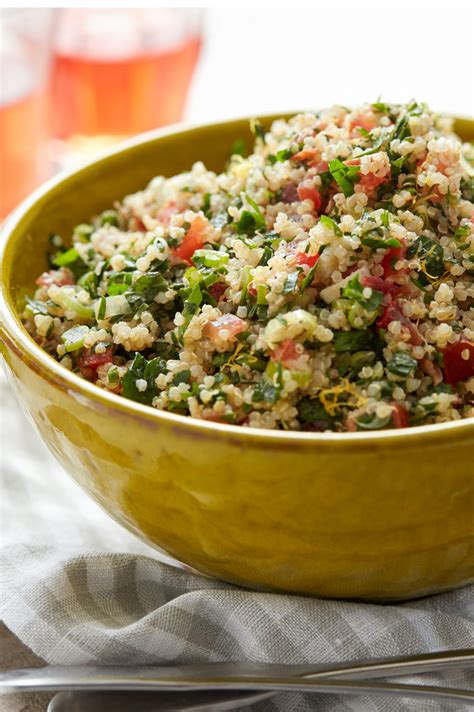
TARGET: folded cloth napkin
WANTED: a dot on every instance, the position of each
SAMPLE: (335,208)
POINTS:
(72,600)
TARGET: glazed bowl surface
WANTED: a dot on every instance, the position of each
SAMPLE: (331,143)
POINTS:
(378,515)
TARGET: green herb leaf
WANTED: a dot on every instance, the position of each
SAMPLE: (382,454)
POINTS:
(462,232)
(354,290)
(251,221)
(308,280)
(101,309)
(284,155)
(345,176)
(373,240)
(432,253)
(356,340)
(181,377)
(311,411)
(381,108)
(330,223)
(66,258)
(146,370)
(265,392)
(402,364)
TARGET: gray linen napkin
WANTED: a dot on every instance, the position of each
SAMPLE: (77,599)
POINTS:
(72,600)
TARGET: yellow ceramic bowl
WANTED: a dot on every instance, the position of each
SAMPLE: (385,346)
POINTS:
(382,515)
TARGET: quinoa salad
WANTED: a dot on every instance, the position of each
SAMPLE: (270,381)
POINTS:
(322,282)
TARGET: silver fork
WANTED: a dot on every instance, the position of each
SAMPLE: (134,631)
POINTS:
(233,681)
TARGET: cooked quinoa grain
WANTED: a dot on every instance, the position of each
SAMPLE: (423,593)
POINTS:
(322,282)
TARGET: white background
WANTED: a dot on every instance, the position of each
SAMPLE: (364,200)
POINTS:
(266,60)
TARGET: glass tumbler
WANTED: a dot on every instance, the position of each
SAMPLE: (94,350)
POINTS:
(121,71)
(25,52)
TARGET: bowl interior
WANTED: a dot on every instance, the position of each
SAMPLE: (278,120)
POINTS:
(78,196)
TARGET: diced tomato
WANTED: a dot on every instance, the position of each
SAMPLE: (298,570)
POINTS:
(392,312)
(289,193)
(322,166)
(390,258)
(309,155)
(352,162)
(251,290)
(370,182)
(167,211)
(456,368)
(59,277)
(217,290)
(366,121)
(303,259)
(231,323)
(193,240)
(310,192)
(399,416)
(90,361)
(286,352)
(137,224)
(379,284)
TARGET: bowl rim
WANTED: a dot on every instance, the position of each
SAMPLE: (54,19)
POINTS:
(24,344)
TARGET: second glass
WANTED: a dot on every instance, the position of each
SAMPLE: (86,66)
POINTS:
(118,72)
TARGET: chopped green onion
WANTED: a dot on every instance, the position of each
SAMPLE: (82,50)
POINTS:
(73,339)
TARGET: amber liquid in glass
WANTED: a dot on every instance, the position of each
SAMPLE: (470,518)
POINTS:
(121,96)
(22,132)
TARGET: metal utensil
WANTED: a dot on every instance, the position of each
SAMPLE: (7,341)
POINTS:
(147,678)
(154,701)
(207,701)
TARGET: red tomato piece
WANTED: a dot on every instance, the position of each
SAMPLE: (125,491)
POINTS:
(217,290)
(289,193)
(167,211)
(392,312)
(366,121)
(322,166)
(310,192)
(59,277)
(456,368)
(90,361)
(399,416)
(390,258)
(379,284)
(309,155)
(370,181)
(193,240)
(286,352)
(303,259)
(231,323)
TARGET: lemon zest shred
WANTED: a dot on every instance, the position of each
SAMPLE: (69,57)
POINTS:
(329,397)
